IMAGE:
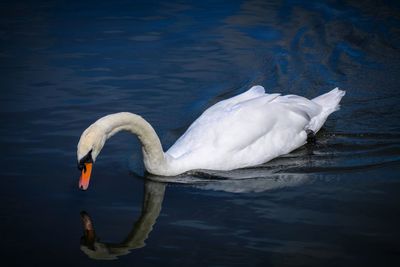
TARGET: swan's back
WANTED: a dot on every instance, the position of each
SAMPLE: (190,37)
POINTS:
(223,122)
(245,130)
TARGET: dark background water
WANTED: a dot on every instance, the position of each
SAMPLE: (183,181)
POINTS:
(64,64)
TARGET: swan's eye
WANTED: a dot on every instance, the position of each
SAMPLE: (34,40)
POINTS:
(86,159)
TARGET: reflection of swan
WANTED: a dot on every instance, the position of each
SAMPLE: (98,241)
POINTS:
(242,131)
(273,175)
(153,198)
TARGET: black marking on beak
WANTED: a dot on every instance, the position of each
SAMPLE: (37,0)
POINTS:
(86,159)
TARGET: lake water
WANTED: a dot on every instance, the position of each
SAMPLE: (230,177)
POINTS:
(64,64)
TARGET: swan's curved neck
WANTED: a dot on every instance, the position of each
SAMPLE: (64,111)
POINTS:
(153,154)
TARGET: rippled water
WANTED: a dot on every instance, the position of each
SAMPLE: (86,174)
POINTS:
(63,65)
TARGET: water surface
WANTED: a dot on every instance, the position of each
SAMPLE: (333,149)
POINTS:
(335,203)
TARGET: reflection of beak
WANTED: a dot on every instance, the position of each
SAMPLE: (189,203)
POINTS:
(85,177)
(89,237)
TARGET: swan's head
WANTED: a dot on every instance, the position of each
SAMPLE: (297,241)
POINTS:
(90,144)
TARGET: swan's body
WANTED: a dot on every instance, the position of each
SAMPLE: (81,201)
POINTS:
(242,131)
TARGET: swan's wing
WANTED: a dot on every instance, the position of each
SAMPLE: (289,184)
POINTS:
(253,92)
(300,105)
(227,127)
(237,134)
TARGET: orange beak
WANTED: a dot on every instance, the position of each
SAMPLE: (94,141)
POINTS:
(85,176)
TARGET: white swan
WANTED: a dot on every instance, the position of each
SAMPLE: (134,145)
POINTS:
(242,131)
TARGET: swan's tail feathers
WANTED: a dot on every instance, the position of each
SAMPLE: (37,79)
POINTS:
(329,103)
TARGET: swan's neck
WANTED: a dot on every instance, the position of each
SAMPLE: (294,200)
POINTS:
(152,202)
(153,154)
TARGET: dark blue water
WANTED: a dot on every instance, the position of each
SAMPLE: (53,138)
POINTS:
(65,64)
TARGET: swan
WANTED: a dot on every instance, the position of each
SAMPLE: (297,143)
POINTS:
(245,130)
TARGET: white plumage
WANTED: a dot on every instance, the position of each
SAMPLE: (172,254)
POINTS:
(250,129)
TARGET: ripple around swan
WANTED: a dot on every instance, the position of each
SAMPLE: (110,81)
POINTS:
(337,154)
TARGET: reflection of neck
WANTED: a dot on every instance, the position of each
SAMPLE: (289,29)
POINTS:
(152,202)
(153,197)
